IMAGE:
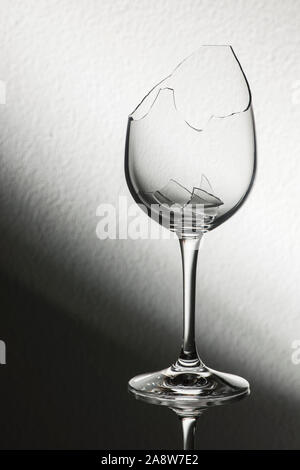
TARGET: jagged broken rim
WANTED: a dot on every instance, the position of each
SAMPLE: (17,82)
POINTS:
(164,85)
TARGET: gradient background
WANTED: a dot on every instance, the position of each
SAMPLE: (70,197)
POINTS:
(80,316)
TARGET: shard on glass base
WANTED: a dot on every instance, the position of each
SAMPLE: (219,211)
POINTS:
(191,210)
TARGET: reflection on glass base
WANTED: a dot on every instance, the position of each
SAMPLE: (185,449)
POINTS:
(188,388)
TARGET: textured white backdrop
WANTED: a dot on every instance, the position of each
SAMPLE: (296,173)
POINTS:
(73,71)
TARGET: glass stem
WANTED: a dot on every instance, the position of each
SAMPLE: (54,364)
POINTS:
(189,251)
(188,425)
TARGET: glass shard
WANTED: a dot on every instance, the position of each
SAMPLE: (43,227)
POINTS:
(173,193)
(200,196)
(197,204)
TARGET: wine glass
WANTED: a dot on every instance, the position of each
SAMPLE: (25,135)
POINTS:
(190,159)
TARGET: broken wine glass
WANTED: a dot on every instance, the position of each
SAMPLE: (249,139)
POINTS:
(190,159)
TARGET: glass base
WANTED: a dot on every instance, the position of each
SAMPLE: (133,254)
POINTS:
(188,388)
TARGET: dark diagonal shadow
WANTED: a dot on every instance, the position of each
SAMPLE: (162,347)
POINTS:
(65,382)
(65,387)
